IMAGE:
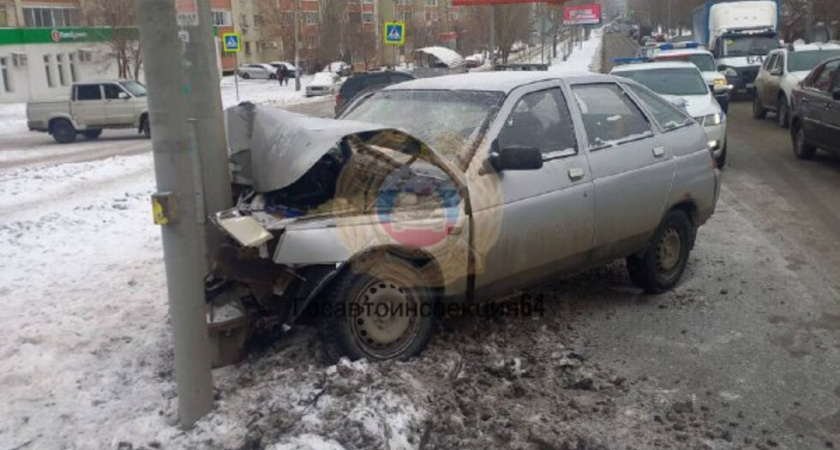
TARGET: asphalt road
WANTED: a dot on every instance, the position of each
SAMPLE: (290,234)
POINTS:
(756,324)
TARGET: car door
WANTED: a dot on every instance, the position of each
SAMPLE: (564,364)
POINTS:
(763,80)
(632,167)
(816,99)
(119,107)
(774,80)
(538,222)
(89,107)
(831,118)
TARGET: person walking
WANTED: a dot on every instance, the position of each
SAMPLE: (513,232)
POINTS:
(281,74)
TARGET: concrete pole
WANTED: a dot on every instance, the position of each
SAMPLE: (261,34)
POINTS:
(208,125)
(809,21)
(297,45)
(183,243)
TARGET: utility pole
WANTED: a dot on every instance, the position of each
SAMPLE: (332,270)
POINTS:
(177,205)
(492,37)
(670,4)
(297,45)
(208,125)
(809,21)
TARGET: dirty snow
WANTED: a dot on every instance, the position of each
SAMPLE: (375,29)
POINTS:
(585,57)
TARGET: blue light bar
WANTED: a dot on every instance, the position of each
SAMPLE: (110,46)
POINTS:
(692,45)
(618,61)
(666,47)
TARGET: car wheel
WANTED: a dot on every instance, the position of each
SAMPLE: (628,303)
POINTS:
(801,148)
(246,76)
(63,131)
(272,76)
(660,267)
(92,134)
(146,127)
(720,161)
(783,114)
(377,313)
(758,110)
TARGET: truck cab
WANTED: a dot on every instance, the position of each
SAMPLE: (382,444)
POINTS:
(740,54)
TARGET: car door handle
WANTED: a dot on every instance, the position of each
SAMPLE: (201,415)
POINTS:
(659,152)
(805,100)
(576,173)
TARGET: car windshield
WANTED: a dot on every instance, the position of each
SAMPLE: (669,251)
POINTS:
(448,121)
(750,45)
(136,89)
(669,81)
(703,61)
(806,61)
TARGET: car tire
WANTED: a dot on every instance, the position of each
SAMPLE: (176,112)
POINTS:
(63,131)
(720,160)
(246,76)
(783,112)
(758,110)
(146,127)
(356,334)
(801,148)
(92,134)
(272,76)
(660,267)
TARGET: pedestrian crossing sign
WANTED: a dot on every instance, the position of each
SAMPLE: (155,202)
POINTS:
(232,42)
(395,33)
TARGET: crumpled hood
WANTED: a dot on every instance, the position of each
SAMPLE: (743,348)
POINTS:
(283,145)
(701,105)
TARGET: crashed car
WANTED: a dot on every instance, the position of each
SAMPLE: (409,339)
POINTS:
(451,191)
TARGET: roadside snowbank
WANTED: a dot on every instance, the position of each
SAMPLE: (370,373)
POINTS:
(585,57)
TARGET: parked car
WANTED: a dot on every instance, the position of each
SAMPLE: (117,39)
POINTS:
(473,61)
(290,68)
(365,83)
(339,68)
(684,80)
(93,106)
(782,71)
(705,62)
(323,83)
(450,190)
(257,72)
(815,123)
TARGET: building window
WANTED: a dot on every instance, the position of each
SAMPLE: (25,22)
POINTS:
(288,18)
(48,70)
(72,62)
(221,18)
(4,16)
(431,16)
(258,21)
(42,17)
(368,2)
(405,16)
(59,62)
(247,48)
(310,18)
(431,2)
(404,2)
(367,17)
(5,82)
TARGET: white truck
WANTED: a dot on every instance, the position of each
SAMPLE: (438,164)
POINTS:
(739,34)
(93,106)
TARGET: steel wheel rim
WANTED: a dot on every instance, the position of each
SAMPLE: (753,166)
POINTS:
(669,252)
(380,334)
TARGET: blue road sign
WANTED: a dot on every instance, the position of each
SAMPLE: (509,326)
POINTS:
(394,33)
(232,42)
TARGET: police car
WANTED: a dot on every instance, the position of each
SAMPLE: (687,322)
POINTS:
(704,60)
(682,80)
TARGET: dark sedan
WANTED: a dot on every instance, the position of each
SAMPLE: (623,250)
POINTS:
(816,103)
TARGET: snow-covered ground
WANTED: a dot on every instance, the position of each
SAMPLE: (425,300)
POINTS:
(85,359)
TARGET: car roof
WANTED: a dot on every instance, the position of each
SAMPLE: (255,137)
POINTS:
(655,66)
(493,81)
(102,81)
(807,47)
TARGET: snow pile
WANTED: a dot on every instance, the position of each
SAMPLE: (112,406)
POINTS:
(12,118)
(265,92)
(585,58)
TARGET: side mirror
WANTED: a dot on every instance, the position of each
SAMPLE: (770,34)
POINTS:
(515,157)
(123,96)
(721,89)
(835,94)
(721,68)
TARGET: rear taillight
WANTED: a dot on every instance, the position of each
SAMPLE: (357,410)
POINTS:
(338,99)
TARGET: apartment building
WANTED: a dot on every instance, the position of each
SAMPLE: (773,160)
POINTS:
(46,45)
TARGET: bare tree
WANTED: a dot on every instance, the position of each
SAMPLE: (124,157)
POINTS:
(122,36)
(361,44)
(513,23)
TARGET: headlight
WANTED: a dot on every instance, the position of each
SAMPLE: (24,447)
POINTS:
(730,72)
(720,81)
(711,120)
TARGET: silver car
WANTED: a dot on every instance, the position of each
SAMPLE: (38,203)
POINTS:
(440,192)
(257,72)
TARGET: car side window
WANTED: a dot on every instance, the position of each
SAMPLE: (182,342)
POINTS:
(780,62)
(768,65)
(667,115)
(88,92)
(112,91)
(540,120)
(609,115)
(825,78)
